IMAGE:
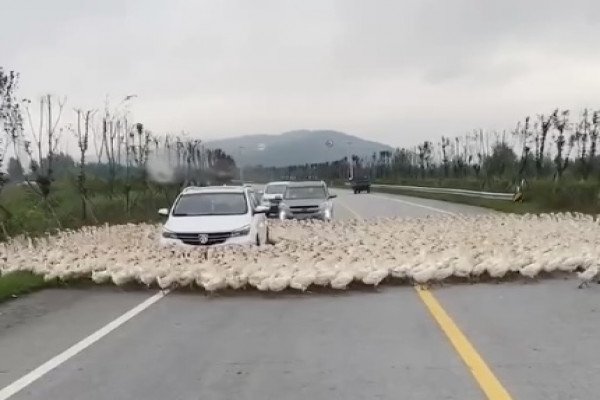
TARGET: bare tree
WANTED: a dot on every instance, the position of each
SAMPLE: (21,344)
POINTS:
(424,156)
(110,141)
(545,124)
(82,135)
(10,117)
(524,133)
(115,140)
(46,139)
(12,125)
(583,137)
(594,132)
(140,149)
(445,159)
(560,122)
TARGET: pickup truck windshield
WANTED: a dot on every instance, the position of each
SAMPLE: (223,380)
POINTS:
(211,204)
(305,192)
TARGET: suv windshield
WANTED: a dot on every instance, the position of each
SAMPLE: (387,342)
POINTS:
(305,192)
(211,204)
(275,189)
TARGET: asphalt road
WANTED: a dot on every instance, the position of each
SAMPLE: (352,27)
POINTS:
(539,341)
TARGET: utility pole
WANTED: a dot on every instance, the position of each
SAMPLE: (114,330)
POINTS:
(241,166)
(350,161)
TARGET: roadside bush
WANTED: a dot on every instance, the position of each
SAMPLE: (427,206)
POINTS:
(565,196)
(23,211)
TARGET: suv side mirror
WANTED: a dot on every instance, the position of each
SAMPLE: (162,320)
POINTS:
(163,211)
(332,196)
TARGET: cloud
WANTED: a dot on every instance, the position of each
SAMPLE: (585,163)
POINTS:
(394,71)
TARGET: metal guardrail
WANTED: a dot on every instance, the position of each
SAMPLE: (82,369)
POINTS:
(459,192)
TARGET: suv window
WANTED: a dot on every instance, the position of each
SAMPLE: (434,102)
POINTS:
(211,204)
(306,192)
(275,189)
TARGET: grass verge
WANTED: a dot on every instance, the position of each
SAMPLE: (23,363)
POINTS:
(498,205)
(539,197)
(17,283)
(533,204)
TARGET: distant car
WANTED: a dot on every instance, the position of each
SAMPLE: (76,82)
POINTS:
(309,199)
(218,215)
(271,196)
(360,185)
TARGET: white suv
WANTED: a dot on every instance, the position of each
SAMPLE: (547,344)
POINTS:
(215,215)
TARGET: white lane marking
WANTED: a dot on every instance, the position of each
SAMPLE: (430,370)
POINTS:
(54,362)
(410,203)
(344,205)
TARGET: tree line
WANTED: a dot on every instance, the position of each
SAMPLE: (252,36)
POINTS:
(551,146)
(115,157)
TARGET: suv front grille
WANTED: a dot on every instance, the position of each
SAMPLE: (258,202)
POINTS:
(194,238)
(304,209)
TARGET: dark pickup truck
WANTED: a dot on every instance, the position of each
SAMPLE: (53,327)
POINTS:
(360,185)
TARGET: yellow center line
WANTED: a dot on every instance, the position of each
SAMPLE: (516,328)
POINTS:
(484,376)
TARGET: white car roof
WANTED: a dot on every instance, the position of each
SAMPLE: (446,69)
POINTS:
(307,184)
(278,183)
(214,189)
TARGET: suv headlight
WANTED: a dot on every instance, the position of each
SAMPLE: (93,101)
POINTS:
(323,206)
(168,234)
(243,231)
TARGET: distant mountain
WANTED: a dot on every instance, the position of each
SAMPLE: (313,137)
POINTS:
(295,147)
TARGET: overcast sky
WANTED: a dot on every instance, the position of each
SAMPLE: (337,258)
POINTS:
(394,71)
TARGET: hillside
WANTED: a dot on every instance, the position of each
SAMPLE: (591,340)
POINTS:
(295,147)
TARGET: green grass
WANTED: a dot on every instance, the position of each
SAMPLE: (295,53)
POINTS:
(541,197)
(23,212)
(488,185)
(17,283)
(498,205)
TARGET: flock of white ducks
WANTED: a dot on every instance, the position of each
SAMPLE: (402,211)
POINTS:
(310,253)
